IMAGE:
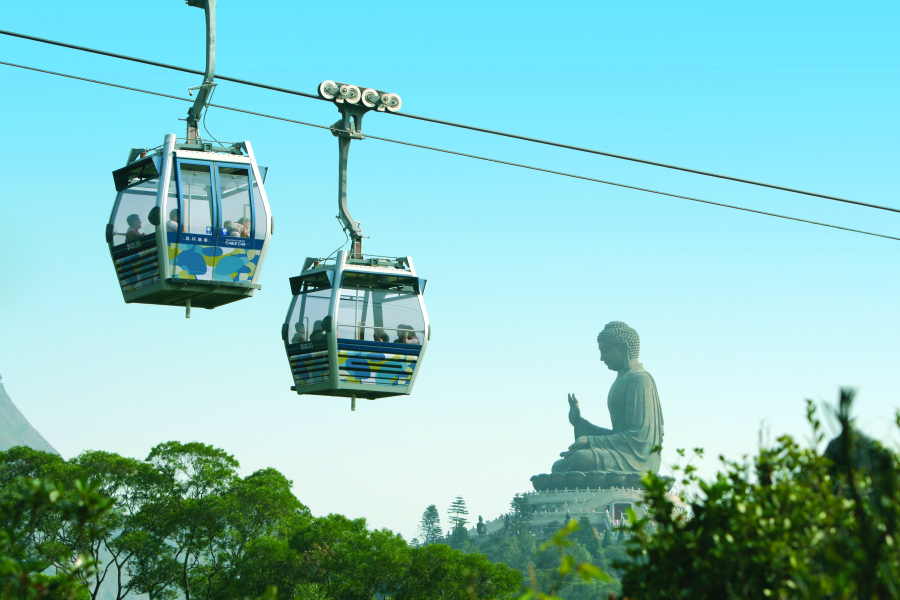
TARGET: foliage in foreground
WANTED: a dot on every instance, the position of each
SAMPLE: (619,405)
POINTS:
(796,523)
(26,503)
(185,525)
(793,523)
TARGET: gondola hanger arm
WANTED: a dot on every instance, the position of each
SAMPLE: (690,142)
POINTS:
(353,103)
(204,89)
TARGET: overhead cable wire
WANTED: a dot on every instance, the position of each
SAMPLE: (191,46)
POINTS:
(154,63)
(474,156)
(469,127)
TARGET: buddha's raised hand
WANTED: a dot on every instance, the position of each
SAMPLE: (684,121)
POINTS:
(574,411)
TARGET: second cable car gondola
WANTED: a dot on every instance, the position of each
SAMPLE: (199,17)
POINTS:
(191,221)
(357,325)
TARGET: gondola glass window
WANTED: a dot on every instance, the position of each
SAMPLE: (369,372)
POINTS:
(234,190)
(132,216)
(309,313)
(173,219)
(196,190)
(380,308)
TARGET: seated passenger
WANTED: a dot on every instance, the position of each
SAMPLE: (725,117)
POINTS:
(411,338)
(230,229)
(318,334)
(380,335)
(244,226)
(134,228)
(300,335)
(401,334)
(172,223)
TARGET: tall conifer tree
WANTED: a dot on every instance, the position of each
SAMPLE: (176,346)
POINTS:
(458,512)
(430,526)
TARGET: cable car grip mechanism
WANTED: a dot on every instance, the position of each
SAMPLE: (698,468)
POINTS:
(353,104)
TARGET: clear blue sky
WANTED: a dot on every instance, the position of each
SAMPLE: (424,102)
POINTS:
(741,316)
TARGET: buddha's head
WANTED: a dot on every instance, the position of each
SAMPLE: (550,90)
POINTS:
(618,343)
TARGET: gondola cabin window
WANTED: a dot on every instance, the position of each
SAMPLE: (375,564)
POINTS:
(234,191)
(380,308)
(309,321)
(132,215)
(172,218)
(197,198)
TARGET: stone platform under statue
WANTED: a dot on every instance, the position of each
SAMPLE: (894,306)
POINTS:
(591,480)
(606,510)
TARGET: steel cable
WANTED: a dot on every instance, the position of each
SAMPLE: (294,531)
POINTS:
(474,156)
(463,126)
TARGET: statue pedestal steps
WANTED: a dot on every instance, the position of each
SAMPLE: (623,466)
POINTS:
(605,508)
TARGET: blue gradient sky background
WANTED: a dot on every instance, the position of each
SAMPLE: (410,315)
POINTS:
(741,316)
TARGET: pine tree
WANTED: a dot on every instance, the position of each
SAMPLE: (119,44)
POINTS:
(586,535)
(520,519)
(458,512)
(430,526)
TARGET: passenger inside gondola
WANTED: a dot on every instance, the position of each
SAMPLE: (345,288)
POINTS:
(411,338)
(300,335)
(326,325)
(318,334)
(172,223)
(243,226)
(134,228)
(231,230)
(381,336)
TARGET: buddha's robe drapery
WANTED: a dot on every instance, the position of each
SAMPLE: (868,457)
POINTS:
(637,425)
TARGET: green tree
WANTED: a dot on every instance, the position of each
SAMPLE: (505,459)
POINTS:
(587,535)
(564,567)
(24,506)
(790,524)
(186,526)
(134,485)
(438,571)
(48,535)
(430,526)
(197,479)
(458,512)
(520,517)
(348,560)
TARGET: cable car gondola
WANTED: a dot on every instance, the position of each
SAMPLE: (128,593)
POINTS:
(357,325)
(191,222)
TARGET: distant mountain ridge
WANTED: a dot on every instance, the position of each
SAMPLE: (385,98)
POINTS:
(15,430)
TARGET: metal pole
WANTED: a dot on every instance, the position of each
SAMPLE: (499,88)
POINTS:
(187,308)
(196,110)
(348,129)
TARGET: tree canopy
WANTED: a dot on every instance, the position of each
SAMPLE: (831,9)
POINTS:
(183,524)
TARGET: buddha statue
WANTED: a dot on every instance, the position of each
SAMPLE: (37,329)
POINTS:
(632,445)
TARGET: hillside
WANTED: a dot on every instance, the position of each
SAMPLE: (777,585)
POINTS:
(15,430)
